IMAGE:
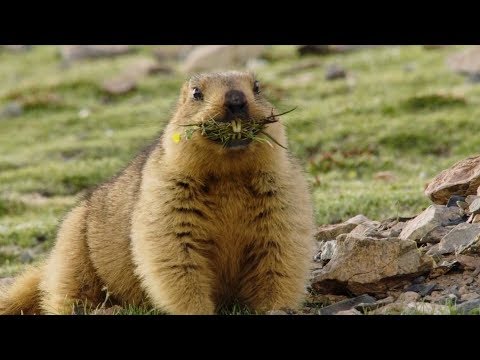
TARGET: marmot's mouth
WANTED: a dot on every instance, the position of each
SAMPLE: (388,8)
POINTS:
(233,143)
(237,143)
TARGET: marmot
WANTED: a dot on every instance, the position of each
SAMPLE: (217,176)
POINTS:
(189,226)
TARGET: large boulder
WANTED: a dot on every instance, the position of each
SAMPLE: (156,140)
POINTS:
(368,265)
(463,179)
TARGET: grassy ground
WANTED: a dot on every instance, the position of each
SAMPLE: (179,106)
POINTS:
(402,111)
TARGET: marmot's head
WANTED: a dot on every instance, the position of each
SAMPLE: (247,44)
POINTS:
(224,97)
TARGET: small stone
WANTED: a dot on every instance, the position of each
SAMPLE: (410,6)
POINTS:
(470,296)
(419,280)
(330,232)
(453,289)
(359,219)
(366,307)
(276,312)
(421,289)
(119,86)
(17,48)
(469,306)
(468,280)
(71,53)
(474,207)
(434,236)
(84,113)
(334,72)
(470,198)
(463,237)
(463,290)
(349,312)
(443,268)
(469,262)
(346,305)
(399,308)
(12,109)
(328,250)
(432,217)
(462,205)
(428,308)
(476,219)
(474,78)
(408,296)
(366,230)
(454,199)
(26,257)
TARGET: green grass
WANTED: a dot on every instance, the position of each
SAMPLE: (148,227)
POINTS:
(410,123)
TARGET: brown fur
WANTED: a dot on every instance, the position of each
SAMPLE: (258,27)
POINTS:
(187,227)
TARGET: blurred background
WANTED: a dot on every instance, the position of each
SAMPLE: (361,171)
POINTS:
(373,123)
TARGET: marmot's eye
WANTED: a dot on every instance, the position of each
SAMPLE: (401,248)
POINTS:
(256,87)
(197,94)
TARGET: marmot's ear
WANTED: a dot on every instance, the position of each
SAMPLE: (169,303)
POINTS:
(185,92)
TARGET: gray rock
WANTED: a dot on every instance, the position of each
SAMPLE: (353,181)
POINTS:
(328,250)
(276,312)
(432,217)
(443,268)
(369,265)
(408,296)
(12,109)
(470,198)
(349,312)
(331,231)
(434,236)
(366,230)
(474,78)
(72,53)
(367,307)
(220,57)
(469,306)
(360,219)
(463,205)
(463,237)
(17,48)
(454,199)
(422,308)
(474,207)
(469,296)
(334,72)
(26,257)
(422,289)
(119,86)
(394,231)
(346,305)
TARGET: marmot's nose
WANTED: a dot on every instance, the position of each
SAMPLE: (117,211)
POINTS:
(235,101)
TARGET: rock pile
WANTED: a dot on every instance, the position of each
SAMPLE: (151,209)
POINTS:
(406,266)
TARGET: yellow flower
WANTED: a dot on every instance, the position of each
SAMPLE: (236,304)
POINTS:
(176,138)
